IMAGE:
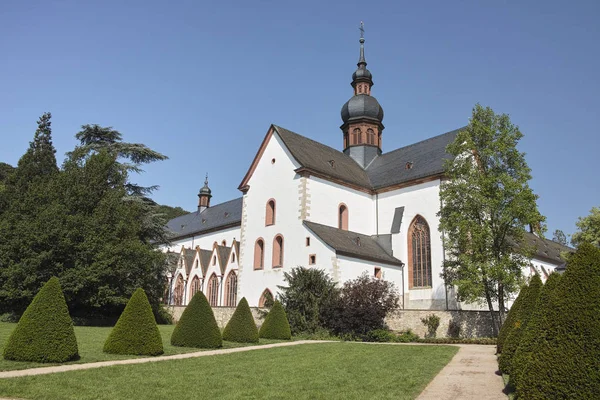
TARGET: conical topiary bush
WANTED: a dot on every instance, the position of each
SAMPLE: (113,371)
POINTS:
(197,326)
(241,327)
(520,324)
(565,362)
(136,332)
(509,322)
(45,331)
(535,327)
(276,324)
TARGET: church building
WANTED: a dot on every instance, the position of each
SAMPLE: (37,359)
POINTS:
(350,211)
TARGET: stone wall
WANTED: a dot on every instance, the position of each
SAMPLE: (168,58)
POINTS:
(472,323)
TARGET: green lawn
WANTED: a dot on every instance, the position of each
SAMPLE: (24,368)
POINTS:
(342,370)
(91,340)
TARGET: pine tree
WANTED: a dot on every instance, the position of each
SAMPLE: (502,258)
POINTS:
(241,327)
(276,325)
(197,326)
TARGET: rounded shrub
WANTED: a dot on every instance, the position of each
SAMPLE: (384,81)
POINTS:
(530,298)
(276,324)
(241,328)
(509,322)
(197,326)
(45,331)
(136,332)
(534,328)
(566,354)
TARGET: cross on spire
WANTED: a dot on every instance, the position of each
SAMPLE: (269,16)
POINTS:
(362,30)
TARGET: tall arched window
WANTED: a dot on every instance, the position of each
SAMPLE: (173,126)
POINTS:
(270,216)
(194,287)
(355,136)
(178,291)
(419,254)
(213,290)
(259,254)
(370,136)
(266,299)
(231,290)
(278,251)
(343,217)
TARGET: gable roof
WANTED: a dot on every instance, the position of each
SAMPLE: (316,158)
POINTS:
(223,253)
(205,260)
(426,158)
(345,243)
(546,249)
(188,258)
(213,218)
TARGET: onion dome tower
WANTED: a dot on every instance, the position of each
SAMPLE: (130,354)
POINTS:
(362,115)
(204,196)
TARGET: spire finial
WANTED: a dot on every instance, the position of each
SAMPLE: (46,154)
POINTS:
(206,180)
(361,61)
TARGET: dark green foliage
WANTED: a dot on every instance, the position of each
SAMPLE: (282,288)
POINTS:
(534,328)
(241,328)
(566,353)
(309,292)
(276,325)
(170,212)
(432,322)
(45,331)
(362,306)
(197,326)
(136,332)
(511,318)
(520,324)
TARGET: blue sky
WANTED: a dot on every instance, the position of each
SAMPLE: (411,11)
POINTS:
(202,81)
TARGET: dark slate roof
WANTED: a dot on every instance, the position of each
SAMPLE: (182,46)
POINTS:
(318,157)
(188,257)
(397,222)
(212,218)
(205,260)
(426,158)
(546,249)
(345,243)
(223,252)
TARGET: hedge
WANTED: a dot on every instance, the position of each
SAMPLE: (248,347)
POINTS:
(516,333)
(509,322)
(535,327)
(197,326)
(276,324)
(45,331)
(241,328)
(566,361)
(136,332)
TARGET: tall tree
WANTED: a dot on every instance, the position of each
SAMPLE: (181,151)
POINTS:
(486,205)
(559,237)
(589,229)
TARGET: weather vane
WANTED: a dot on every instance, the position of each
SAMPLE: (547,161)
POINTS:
(362,30)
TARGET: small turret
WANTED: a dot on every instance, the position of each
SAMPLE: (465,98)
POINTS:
(204,196)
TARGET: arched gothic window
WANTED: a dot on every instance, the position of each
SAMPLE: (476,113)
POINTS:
(277,251)
(370,136)
(178,292)
(270,216)
(266,299)
(343,217)
(231,290)
(259,254)
(356,136)
(419,254)
(213,290)
(194,287)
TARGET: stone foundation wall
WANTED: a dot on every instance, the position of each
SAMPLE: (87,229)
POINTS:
(472,323)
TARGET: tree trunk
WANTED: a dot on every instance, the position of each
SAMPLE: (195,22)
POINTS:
(500,304)
(488,298)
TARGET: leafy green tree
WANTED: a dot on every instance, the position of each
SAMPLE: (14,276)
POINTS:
(45,331)
(276,325)
(589,229)
(197,326)
(505,361)
(565,362)
(559,237)
(241,328)
(486,205)
(5,171)
(136,332)
(308,294)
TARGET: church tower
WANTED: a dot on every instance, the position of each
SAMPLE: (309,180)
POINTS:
(204,196)
(362,115)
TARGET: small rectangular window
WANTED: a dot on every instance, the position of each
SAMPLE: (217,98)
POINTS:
(377,272)
(312,259)
(307,241)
